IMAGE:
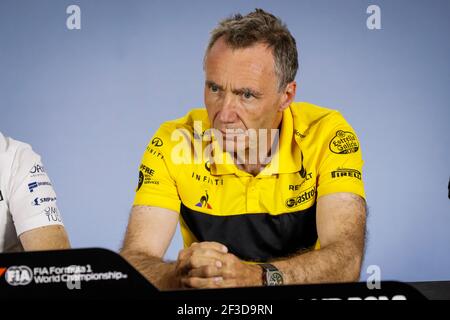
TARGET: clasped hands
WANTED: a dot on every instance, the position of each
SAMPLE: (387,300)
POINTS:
(210,265)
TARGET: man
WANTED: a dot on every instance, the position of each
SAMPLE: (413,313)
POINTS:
(29,217)
(294,215)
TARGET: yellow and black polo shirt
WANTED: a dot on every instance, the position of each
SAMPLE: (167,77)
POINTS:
(258,217)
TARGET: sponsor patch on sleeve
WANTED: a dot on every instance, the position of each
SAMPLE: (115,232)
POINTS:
(344,142)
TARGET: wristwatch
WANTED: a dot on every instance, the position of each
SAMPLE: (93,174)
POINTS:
(271,276)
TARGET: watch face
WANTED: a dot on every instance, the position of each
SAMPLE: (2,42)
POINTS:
(275,278)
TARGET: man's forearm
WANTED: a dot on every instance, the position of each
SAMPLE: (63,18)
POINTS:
(161,274)
(334,263)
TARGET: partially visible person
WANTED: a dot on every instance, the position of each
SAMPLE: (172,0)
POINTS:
(29,217)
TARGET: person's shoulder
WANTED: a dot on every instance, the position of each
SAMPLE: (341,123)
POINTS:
(3,144)
(12,146)
(179,132)
(309,114)
(196,120)
(189,119)
(306,116)
(17,157)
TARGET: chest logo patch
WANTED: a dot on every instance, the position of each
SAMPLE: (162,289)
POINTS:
(344,142)
(304,196)
(203,203)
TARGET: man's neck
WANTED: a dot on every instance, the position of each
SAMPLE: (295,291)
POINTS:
(248,164)
(253,169)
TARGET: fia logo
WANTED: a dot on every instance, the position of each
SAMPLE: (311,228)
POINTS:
(18,275)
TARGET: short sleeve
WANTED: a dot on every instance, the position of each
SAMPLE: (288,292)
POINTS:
(341,164)
(32,200)
(157,174)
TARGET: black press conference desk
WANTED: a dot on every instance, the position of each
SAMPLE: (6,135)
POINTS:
(100,273)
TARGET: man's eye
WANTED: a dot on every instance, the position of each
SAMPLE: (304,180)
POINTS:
(247,95)
(214,88)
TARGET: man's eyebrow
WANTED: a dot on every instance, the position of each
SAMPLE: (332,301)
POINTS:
(250,90)
(239,91)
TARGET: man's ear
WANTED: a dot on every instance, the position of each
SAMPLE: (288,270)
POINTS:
(288,95)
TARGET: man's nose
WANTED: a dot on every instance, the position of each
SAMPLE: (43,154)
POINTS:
(228,110)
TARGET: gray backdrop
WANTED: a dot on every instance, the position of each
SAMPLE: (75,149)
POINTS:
(89,100)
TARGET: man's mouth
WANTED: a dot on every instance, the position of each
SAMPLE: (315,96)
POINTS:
(233,132)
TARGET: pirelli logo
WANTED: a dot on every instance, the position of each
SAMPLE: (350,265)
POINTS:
(344,172)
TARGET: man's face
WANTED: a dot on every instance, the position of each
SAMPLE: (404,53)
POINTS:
(241,89)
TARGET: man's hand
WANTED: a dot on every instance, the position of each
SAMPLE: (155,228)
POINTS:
(209,265)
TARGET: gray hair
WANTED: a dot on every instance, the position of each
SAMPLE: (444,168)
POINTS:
(260,26)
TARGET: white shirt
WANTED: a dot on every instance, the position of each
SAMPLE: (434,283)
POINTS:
(27,198)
